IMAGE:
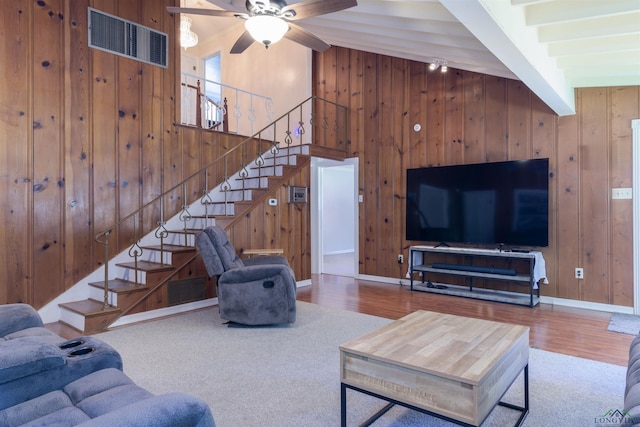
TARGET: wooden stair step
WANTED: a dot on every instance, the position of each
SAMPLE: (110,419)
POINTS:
(187,231)
(284,166)
(120,286)
(147,266)
(89,308)
(171,248)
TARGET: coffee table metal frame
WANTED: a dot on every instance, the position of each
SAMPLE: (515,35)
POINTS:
(524,410)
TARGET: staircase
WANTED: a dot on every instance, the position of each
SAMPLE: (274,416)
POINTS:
(136,280)
(158,256)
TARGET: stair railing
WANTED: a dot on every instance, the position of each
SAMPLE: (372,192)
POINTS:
(263,147)
(200,108)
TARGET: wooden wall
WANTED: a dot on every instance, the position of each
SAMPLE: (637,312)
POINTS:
(87,138)
(468,118)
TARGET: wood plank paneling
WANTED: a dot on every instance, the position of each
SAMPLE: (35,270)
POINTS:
(417,115)
(48,151)
(435,110)
(104,121)
(496,119)
(624,107)
(370,160)
(543,145)
(78,244)
(129,146)
(569,217)
(453,118)
(475,140)
(83,153)
(16,140)
(594,197)
(518,120)
(470,117)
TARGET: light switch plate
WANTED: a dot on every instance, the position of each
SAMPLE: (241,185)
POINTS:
(621,193)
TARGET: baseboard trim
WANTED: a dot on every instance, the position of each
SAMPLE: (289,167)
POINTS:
(302,283)
(564,302)
(163,312)
(177,309)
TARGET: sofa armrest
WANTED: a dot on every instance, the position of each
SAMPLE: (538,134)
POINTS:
(27,356)
(16,317)
(167,410)
(266,259)
(256,273)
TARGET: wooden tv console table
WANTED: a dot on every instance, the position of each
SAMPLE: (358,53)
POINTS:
(418,264)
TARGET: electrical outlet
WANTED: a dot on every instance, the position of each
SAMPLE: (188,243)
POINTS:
(400,259)
(579,273)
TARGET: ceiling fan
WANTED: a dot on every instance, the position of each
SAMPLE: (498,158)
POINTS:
(268,21)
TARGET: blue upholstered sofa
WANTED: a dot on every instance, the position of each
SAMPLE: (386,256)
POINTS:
(45,380)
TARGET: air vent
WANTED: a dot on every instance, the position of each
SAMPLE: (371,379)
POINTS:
(181,291)
(126,38)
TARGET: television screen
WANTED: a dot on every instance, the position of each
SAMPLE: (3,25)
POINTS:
(500,203)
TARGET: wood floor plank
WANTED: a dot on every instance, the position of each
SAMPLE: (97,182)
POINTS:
(566,330)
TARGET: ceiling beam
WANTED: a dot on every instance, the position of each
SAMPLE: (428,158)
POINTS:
(501,27)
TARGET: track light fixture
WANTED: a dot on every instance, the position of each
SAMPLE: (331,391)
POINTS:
(438,63)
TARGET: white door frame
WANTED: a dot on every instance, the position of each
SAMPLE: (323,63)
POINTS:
(315,201)
(635,144)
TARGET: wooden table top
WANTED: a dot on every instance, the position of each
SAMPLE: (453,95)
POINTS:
(455,347)
(250,252)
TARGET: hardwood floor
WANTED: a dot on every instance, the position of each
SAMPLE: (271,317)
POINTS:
(566,330)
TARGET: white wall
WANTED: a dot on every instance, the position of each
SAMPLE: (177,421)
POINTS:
(282,72)
(337,209)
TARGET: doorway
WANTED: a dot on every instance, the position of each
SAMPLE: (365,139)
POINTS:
(334,217)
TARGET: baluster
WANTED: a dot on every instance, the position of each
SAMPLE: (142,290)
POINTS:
(225,187)
(105,303)
(135,251)
(206,198)
(185,215)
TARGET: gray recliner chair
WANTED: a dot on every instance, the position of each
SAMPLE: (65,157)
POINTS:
(255,291)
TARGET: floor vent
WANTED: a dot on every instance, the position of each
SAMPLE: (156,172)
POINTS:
(126,38)
(181,291)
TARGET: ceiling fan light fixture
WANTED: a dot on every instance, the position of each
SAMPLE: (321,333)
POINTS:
(266,29)
(187,37)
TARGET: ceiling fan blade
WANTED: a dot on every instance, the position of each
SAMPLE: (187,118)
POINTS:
(305,38)
(197,11)
(228,5)
(243,42)
(311,8)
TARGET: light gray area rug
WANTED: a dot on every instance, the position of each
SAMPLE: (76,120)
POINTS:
(624,323)
(289,375)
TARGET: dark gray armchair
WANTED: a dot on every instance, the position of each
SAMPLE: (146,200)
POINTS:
(254,291)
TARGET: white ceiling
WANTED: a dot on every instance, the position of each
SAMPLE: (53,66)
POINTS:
(553,46)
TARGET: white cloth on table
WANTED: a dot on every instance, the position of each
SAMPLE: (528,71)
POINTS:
(539,270)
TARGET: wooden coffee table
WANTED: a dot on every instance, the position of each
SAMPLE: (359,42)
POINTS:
(453,367)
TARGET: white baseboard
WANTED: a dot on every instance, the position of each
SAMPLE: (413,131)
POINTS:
(340,252)
(177,309)
(610,308)
(302,283)
(163,312)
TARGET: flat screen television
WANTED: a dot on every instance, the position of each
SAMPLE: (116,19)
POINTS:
(500,203)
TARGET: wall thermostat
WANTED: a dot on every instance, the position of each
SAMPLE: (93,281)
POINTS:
(297,194)
(273,202)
